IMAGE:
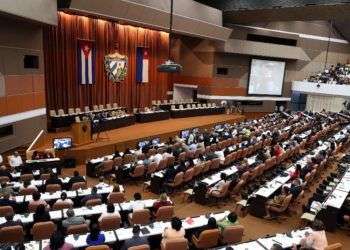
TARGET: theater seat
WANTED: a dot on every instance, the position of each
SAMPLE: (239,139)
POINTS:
(51,188)
(207,239)
(43,230)
(78,229)
(110,222)
(6,210)
(141,247)
(141,217)
(26,177)
(283,208)
(178,180)
(139,171)
(174,244)
(99,247)
(232,234)
(116,197)
(79,185)
(61,205)
(13,234)
(93,202)
(164,213)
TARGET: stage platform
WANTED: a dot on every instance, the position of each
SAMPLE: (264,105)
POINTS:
(128,137)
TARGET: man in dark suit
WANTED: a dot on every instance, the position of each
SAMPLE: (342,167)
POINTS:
(76,178)
(53,180)
(136,240)
(10,222)
(94,195)
(5,201)
(170,173)
(5,172)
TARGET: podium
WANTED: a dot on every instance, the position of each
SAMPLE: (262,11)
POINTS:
(81,133)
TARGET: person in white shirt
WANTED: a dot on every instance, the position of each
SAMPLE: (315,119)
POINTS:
(64,199)
(168,153)
(110,212)
(1,160)
(190,139)
(156,158)
(219,185)
(137,204)
(28,185)
(101,183)
(192,147)
(15,160)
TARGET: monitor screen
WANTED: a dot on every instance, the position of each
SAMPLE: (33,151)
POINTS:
(266,77)
(156,141)
(143,143)
(62,143)
(217,127)
(185,133)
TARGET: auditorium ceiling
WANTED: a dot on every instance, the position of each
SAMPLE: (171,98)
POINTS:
(257,11)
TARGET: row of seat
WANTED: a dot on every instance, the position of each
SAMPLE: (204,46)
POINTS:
(95,108)
(194,106)
(180,101)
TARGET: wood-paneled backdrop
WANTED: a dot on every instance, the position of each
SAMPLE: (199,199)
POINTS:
(60,53)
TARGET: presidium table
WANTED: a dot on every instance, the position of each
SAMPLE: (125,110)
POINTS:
(152,116)
(66,120)
(180,113)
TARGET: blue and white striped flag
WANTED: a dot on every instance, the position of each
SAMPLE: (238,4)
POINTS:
(142,60)
(86,62)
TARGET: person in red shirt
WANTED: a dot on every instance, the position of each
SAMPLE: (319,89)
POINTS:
(297,172)
(162,201)
(278,150)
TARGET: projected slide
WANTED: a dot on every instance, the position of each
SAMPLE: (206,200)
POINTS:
(266,77)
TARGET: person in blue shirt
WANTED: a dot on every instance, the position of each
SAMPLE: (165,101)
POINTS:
(95,237)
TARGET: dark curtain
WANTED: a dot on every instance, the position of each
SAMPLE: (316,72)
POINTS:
(60,54)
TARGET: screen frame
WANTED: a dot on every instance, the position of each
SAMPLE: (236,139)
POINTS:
(187,130)
(156,138)
(138,143)
(265,59)
(57,138)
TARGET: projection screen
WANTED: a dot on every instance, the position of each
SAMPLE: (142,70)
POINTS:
(266,77)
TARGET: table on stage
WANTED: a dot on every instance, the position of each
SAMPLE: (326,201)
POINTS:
(152,116)
(167,106)
(180,113)
(112,123)
(66,120)
(43,164)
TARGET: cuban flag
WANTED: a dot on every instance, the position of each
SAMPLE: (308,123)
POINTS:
(86,62)
(142,61)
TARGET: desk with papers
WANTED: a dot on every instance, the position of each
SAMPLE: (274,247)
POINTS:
(334,202)
(122,234)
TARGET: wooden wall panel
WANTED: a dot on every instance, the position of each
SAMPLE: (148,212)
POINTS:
(205,80)
(39,99)
(38,83)
(222,91)
(3,106)
(18,84)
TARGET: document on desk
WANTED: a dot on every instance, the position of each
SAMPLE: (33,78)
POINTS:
(244,246)
(344,185)
(124,233)
(336,199)
(32,245)
(77,240)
